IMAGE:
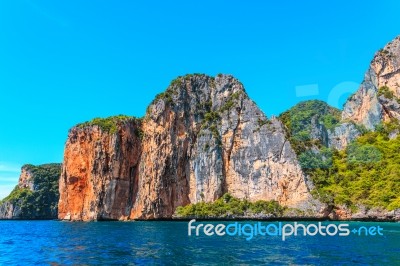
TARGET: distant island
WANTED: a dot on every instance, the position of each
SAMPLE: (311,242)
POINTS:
(205,150)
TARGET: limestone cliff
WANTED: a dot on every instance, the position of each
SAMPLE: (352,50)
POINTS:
(35,196)
(377,99)
(9,208)
(201,138)
(99,176)
(342,135)
(204,137)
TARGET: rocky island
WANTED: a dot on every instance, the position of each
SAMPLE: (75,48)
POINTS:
(204,149)
(36,195)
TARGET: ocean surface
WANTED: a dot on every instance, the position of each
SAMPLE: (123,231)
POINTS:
(168,243)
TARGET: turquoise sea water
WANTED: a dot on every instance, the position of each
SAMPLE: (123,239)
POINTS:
(168,243)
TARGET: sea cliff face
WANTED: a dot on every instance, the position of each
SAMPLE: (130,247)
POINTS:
(204,137)
(201,138)
(99,177)
(10,209)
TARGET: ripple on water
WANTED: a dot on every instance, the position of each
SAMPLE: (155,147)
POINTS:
(60,243)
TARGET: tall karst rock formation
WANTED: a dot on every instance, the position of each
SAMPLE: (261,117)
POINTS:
(204,137)
(377,99)
(99,178)
(201,138)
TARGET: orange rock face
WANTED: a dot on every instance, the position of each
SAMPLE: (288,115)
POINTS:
(201,138)
(25,179)
(99,176)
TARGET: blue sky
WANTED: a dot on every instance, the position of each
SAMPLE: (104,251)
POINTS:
(62,63)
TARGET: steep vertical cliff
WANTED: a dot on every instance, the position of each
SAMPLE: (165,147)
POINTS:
(36,195)
(377,99)
(99,176)
(201,138)
(204,137)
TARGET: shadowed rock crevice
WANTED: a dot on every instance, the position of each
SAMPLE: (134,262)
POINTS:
(201,138)
(204,137)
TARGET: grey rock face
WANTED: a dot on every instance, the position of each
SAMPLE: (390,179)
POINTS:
(376,214)
(342,135)
(391,107)
(205,137)
(10,211)
(337,138)
(364,107)
(319,132)
(367,107)
(394,134)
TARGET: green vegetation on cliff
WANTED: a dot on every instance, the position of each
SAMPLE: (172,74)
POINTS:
(228,206)
(311,159)
(367,172)
(298,122)
(108,124)
(386,92)
(16,194)
(171,92)
(42,202)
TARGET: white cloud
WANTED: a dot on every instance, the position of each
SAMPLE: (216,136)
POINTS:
(5,190)
(10,167)
(8,179)
(9,174)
